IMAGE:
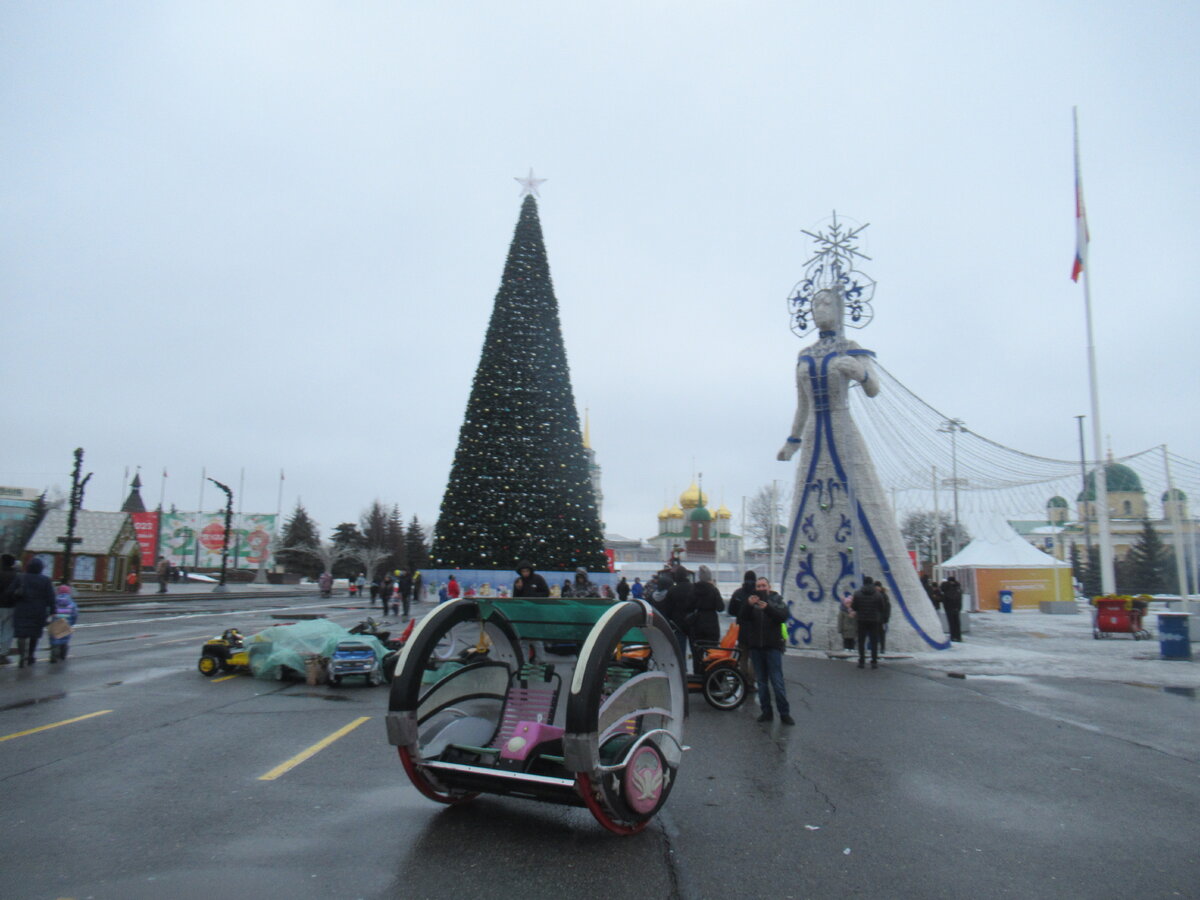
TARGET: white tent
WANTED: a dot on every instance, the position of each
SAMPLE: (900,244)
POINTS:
(1001,560)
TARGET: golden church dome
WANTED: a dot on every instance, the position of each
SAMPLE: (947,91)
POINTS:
(724,513)
(693,497)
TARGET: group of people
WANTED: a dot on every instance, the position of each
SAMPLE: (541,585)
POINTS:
(393,593)
(948,597)
(28,603)
(693,606)
(863,619)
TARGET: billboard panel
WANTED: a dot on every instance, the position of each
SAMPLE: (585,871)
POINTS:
(194,539)
(145,527)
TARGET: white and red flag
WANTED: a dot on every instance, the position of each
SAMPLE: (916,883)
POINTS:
(1081,229)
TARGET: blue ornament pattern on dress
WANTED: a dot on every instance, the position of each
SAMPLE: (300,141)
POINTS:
(808,529)
(805,573)
(794,625)
(843,533)
(847,575)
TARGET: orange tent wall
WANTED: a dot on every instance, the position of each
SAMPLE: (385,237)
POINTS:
(1029,586)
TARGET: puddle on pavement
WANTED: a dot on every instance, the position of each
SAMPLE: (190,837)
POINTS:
(318,696)
(956,675)
(1189,692)
(32,702)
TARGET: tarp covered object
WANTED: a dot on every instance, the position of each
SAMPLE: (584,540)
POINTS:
(287,645)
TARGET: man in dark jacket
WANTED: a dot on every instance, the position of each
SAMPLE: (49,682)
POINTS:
(951,592)
(404,587)
(760,621)
(736,600)
(34,607)
(529,583)
(871,609)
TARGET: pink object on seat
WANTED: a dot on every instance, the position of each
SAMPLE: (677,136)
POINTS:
(525,737)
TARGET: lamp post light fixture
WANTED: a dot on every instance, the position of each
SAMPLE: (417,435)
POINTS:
(221,588)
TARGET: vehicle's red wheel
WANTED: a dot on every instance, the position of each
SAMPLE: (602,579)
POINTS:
(422,784)
(583,784)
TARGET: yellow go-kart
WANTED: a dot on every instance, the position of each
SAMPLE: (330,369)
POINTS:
(224,654)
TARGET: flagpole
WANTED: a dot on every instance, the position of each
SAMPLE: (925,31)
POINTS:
(1108,579)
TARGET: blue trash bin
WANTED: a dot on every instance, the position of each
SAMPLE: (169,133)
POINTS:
(1006,601)
(1173,637)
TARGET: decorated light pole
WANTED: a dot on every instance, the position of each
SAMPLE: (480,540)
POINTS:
(220,588)
(76,501)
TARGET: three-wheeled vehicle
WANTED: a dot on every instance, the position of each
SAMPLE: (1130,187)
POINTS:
(479,705)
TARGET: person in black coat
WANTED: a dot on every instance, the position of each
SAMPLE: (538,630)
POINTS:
(529,583)
(760,619)
(623,589)
(702,622)
(34,606)
(736,600)
(677,603)
(871,610)
(404,588)
(952,597)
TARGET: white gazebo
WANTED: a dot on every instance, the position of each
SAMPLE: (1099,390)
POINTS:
(1001,560)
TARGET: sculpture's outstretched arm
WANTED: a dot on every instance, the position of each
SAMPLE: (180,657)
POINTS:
(788,450)
(859,368)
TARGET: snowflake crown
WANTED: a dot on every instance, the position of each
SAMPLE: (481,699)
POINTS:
(831,267)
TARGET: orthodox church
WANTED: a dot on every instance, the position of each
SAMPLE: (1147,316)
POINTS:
(1127,510)
(689,526)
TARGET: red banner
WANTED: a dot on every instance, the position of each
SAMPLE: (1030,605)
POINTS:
(612,559)
(145,526)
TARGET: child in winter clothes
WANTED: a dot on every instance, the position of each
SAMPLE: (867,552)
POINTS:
(847,626)
(66,608)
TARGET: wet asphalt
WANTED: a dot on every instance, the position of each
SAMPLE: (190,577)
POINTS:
(897,782)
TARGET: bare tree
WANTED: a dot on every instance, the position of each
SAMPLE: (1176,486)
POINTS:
(326,553)
(764,514)
(919,530)
(372,559)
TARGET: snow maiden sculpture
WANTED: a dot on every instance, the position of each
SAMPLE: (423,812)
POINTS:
(842,526)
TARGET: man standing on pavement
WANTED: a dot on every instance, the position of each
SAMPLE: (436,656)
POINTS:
(951,592)
(759,620)
(163,571)
(404,587)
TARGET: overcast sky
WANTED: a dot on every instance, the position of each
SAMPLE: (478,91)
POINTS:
(267,236)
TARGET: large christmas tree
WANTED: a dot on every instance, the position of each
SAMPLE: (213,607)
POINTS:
(519,487)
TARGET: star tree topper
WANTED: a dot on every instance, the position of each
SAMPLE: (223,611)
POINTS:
(529,184)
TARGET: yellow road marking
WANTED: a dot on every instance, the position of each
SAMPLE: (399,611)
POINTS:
(9,737)
(227,677)
(316,748)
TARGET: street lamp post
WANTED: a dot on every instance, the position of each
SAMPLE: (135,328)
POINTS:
(221,588)
(954,426)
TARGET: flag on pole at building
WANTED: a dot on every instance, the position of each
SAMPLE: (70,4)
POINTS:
(1081,229)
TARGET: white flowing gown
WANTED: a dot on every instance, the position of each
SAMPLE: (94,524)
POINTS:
(842,526)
